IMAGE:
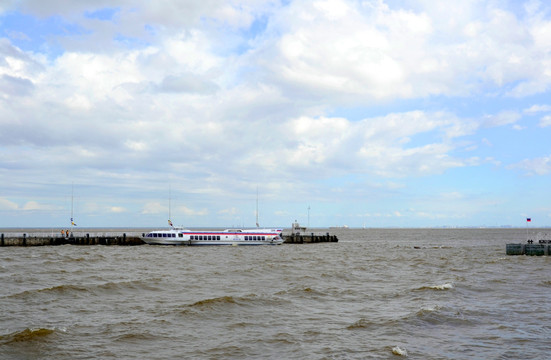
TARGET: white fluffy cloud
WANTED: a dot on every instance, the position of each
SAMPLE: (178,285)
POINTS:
(223,95)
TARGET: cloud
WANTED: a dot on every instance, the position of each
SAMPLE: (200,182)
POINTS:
(154,208)
(35,206)
(301,97)
(14,86)
(370,52)
(502,118)
(231,211)
(545,121)
(537,166)
(385,146)
(187,83)
(6,204)
(191,212)
(537,108)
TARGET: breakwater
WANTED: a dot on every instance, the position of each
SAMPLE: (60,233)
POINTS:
(30,239)
(124,239)
(529,249)
(309,238)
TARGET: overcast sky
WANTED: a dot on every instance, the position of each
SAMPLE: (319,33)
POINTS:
(360,113)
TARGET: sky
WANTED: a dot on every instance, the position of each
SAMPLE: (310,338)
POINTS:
(375,113)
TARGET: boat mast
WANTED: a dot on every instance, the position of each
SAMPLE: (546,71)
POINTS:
(257,225)
(169,206)
(72,197)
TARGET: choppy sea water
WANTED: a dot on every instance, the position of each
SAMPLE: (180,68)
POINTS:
(376,294)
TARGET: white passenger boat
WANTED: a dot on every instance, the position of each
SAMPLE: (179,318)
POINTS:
(176,236)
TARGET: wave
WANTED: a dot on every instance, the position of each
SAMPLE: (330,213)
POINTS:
(214,301)
(224,303)
(60,289)
(29,334)
(86,290)
(301,291)
(399,351)
(363,323)
(428,309)
(446,286)
(427,315)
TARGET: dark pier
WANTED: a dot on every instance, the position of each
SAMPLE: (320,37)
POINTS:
(536,245)
(81,239)
(531,249)
(308,238)
(40,239)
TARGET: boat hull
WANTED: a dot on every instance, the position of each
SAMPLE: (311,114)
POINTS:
(207,243)
(235,237)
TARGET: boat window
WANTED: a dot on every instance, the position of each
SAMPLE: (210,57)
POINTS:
(218,237)
(246,237)
(180,235)
(154,235)
(254,238)
(210,237)
(264,238)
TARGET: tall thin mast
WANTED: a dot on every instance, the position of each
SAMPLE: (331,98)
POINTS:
(169,206)
(257,225)
(72,197)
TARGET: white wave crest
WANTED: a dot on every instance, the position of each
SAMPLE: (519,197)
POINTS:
(445,286)
(399,351)
(430,308)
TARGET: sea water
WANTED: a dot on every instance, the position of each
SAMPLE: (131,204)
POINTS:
(376,294)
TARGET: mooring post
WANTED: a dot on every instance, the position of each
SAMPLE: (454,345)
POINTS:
(2,243)
(24,239)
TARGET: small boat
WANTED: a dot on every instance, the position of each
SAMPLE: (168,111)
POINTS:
(177,236)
